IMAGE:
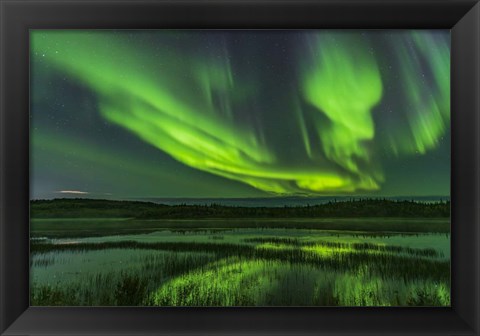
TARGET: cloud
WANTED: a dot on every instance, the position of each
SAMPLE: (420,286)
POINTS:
(75,192)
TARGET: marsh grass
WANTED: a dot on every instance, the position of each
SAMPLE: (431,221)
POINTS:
(427,252)
(125,284)
(253,271)
(237,282)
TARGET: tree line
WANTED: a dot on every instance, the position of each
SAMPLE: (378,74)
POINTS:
(365,207)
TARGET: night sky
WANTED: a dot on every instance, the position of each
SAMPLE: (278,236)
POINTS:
(157,113)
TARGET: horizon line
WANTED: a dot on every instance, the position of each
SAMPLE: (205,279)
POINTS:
(245,198)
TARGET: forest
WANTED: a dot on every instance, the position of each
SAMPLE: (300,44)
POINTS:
(363,207)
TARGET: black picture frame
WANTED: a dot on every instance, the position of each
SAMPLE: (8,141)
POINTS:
(18,16)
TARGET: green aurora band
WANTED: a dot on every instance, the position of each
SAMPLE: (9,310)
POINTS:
(427,106)
(345,85)
(188,106)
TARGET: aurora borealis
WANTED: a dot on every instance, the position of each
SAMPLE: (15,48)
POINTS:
(164,113)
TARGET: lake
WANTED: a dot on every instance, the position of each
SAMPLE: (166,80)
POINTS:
(185,265)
